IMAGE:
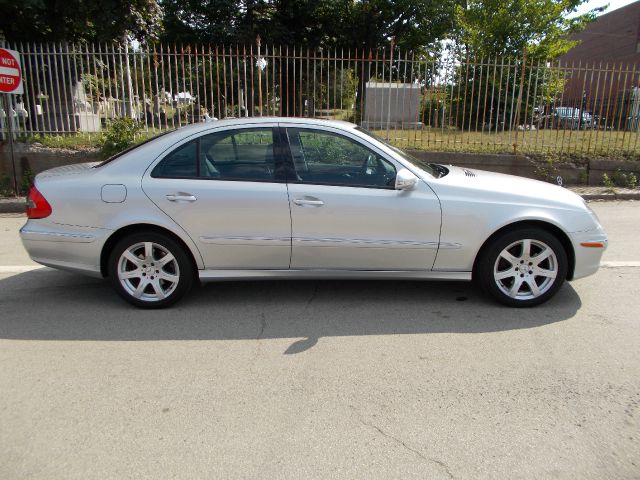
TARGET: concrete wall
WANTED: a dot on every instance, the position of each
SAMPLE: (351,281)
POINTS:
(598,167)
(35,159)
(572,174)
(589,172)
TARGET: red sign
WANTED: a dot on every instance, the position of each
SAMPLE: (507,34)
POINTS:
(10,72)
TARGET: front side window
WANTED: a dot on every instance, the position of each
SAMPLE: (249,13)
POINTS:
(327,158)
(246,154)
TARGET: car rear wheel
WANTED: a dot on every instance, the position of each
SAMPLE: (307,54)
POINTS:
(523,267)
(150,270)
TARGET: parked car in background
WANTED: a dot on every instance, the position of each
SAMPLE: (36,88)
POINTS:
(569,118)
(268,198)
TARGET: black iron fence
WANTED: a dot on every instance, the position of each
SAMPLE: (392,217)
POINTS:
(441,102)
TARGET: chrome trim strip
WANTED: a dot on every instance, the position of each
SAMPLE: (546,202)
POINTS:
(450,246)
(377,243)
(239,238)
(221,275)
(341,241)
(374,243)
(57,236)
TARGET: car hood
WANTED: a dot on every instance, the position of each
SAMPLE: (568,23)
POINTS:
(502,188)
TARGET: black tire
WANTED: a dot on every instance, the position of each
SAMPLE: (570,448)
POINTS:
(157,281)
(523,280)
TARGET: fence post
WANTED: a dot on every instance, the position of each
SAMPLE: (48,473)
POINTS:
(259,74)
(393,41)
(519,102)
(129,104)
(8,120)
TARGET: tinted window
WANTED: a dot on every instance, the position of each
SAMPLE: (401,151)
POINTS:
(327,158)
(238,155)
(180,163)
(246,154)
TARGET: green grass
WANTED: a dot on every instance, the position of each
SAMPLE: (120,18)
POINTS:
(613,144)
(80,141)
(553,143)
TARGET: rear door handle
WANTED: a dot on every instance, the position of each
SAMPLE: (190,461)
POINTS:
(181,197)
(314,202)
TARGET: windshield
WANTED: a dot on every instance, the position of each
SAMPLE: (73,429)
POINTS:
(406,156)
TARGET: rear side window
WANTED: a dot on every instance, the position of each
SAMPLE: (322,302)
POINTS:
(246,154)
(181,163)
(238,155)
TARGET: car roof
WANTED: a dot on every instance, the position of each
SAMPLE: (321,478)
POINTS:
(163,141)
(196,127)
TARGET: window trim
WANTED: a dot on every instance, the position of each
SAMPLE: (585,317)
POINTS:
(280,162)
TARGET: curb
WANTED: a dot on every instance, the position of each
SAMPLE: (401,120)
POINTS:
(12,205)
(610,196)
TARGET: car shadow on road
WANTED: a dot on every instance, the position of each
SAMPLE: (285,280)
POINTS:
(52,305)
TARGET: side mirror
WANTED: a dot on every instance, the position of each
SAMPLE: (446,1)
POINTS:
(405,180)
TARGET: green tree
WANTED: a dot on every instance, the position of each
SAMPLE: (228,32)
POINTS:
(489,28)
(415,24)
(309,23)
(78,20)
(200,21)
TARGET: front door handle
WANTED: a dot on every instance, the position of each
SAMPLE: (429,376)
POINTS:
(181,197)
(311,201)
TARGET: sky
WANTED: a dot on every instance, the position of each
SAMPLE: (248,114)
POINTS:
(613,5)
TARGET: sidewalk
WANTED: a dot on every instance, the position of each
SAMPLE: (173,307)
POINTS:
(17,204)
(604,193)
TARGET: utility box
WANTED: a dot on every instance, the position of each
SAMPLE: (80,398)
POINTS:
(392,105)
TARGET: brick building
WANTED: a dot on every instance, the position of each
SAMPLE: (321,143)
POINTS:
(603,71)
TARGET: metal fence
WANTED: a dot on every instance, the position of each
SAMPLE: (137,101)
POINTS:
(439,102)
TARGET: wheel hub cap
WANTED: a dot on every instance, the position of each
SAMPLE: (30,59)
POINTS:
(526,269)
(148,271)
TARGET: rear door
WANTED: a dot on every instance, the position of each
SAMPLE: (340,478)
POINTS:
(226,190)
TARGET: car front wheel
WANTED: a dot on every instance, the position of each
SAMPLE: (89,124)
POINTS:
(150,270)
(523,267)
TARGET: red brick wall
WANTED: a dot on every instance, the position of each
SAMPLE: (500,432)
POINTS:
(602,66)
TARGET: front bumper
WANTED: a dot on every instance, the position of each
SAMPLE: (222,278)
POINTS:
(587,258)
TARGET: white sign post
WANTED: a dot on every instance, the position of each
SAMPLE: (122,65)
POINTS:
(10,84)
(10,72)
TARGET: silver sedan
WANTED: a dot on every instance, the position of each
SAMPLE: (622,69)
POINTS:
(307,199)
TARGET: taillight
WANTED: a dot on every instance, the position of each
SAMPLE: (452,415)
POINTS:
(37,205)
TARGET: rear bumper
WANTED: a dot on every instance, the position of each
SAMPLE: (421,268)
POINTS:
(66,247)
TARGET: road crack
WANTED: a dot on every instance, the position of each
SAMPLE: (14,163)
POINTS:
(313,296)
(263,325)
(401,442)
(258,350)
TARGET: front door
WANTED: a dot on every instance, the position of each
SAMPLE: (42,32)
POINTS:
(346,213)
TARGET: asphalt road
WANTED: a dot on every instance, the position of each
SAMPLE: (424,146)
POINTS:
(305,380)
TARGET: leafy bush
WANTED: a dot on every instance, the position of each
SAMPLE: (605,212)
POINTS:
(622,179)
(120,135)
(6,186)
(27,181)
